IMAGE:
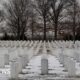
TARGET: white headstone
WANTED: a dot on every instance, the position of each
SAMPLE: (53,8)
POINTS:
(70,66)
(2,63)
(14,69)
(44,66)
(6,57)
(2,59)
(61,58)
(77,56)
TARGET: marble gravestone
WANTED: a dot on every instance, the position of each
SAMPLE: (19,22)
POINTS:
(2,61)
(44,66)
(14,69)
(6,57)
(70,66)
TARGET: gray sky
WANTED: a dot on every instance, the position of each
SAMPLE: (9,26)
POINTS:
(79,1)
(2,1)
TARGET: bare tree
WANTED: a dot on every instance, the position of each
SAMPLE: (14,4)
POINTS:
(73,13)
(33,21)
(74,19)
(17,16)
(42,8)
(57,7)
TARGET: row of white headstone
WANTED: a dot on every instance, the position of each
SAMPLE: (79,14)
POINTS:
(56,44)
(67,57)
(23,58)
(18,57)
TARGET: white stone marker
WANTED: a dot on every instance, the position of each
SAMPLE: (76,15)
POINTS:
(44,66)
(44,61)
(2,59)
(6,57)
(2,64)
(21,62)
(61,58)
(77,57)
(14,69)
(26,59)
(70,66)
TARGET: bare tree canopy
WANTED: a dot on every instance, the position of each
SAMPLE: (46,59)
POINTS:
(42,7)
(41,16)
(56,8)
(17,16)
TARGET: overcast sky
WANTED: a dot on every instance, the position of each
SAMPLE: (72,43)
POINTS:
(1,1)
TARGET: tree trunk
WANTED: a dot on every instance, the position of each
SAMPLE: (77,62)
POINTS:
(74,34)
(18,32)
(55,34)
(44,28)
(23,34)
(74,22)
(32,31)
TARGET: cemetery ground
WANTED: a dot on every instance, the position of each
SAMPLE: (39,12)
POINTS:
(39,60)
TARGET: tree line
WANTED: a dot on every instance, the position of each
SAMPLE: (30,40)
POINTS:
(35,14)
